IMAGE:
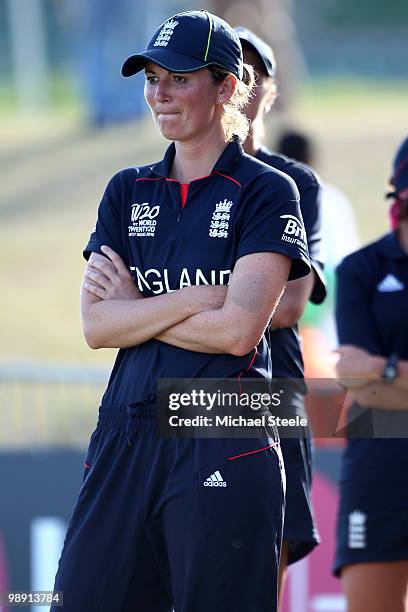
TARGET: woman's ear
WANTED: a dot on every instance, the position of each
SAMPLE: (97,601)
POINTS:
(227,88)
(271,97)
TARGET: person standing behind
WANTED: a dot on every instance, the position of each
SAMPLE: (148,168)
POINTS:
(371,315)
(300,533)
(319,327)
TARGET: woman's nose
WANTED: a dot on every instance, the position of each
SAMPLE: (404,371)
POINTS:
(162,91)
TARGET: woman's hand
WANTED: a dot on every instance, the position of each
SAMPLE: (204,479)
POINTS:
(108,278)
(237,327)
(207,297)
(115,316)
(361,373)
(356,367)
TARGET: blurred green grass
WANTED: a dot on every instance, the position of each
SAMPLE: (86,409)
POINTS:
(60,91)
(54,171)
(20,129)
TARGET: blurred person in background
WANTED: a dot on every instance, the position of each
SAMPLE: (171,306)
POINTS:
(273,21)
(102,33)
(318,328)
(300,533)
(337,210)
(371,314)
(151,529)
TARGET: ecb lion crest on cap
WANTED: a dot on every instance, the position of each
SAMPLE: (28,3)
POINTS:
(165,33)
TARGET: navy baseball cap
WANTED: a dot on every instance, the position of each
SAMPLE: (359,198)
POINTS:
(190,41)
(260,47)
(399,178)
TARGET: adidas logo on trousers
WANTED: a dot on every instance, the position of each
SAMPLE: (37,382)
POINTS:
(215,480)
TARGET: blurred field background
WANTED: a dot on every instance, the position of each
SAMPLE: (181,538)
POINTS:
(68,122)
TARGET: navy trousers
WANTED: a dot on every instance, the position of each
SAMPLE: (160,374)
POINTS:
(189,524)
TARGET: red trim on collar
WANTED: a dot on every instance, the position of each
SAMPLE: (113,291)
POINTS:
(228,177)
(171,180)
(149,179)
(184,193)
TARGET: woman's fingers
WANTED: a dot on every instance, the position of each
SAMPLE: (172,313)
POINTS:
(102,265)
(110,265)
(116,260)
(109,273)
(94,289)
(95,277)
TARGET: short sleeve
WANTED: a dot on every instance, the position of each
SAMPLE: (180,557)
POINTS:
(272,222)
(355,323)
(108,228)
(311,208)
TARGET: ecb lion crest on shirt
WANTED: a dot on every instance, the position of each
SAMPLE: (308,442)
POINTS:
(220,219)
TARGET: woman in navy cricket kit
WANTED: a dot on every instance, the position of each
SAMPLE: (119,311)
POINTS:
(300,533)
(148,533)
(372,309)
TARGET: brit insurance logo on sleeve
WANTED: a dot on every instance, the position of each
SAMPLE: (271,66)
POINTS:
(143,218)
(294,232)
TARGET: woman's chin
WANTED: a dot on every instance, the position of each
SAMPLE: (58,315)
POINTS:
(171,133)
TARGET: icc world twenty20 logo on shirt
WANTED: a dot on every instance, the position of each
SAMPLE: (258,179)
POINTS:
(143,219)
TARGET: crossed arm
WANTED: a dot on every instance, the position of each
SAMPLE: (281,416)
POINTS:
(293,301)
(362,373)
(210,319)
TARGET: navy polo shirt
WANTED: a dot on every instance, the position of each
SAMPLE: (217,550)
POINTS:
(372,298)
(286,353)
(371,313)
(242,207)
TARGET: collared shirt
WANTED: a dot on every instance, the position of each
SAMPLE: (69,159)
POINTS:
(372,298)
(287,361)
(371,313)
(242,207)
